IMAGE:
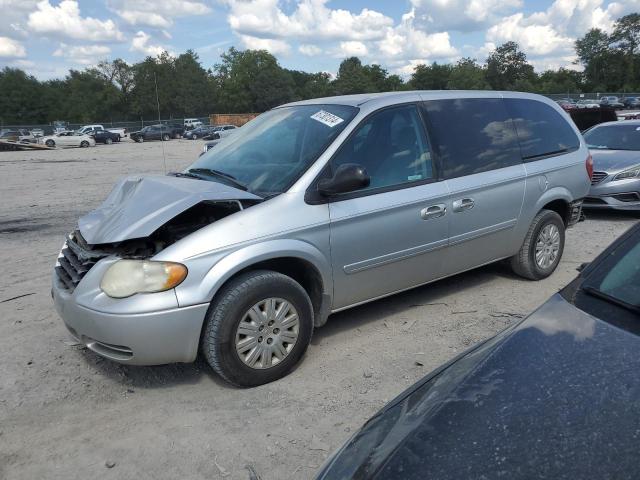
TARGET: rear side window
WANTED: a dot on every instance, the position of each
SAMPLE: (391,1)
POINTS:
(542,131)
(473,135)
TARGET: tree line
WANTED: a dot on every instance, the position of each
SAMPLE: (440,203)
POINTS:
(253,81)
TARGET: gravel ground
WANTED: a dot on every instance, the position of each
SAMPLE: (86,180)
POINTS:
(66,413)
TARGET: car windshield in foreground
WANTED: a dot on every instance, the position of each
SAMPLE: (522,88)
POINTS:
(614,137)
(619,282)
(271,152)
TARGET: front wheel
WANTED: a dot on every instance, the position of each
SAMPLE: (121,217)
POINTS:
(166,137)
(50,143)
(108,141)
(139,140)
(84,144)
(194,137)
(542,249)
(257,328)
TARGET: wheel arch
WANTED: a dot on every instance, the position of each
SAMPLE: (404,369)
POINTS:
(295,258)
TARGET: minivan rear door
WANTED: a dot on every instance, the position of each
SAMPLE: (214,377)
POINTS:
(477,146)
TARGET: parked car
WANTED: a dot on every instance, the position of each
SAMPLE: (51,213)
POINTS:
(220,131)
(37,132)
(18,135)
(631,102)
(91,129)
(315,207)
(67,139)
(567,104)
(612,101)
(615,148)
(555,396)
(105,136)
(191,123)
(198,132)
(584,103)
(176,130)
(153,132)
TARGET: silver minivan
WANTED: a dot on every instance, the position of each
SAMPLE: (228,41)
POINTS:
(312,208)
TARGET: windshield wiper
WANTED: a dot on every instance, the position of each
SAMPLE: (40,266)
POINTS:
(185,174)
(217,173)
(616,301)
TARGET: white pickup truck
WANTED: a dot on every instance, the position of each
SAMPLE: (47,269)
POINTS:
(89,129)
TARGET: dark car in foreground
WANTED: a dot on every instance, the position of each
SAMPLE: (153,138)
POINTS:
(615,149)
(555,396)
(105,136)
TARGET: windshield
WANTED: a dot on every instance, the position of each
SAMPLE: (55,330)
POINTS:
(621,283)
(614,137)
(269,153)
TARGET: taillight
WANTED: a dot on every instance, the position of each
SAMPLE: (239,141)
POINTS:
(589,164)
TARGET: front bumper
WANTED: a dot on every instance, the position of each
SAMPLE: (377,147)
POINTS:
(617,195)
(157,337)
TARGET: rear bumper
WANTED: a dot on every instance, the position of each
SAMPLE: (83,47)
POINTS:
(152,338)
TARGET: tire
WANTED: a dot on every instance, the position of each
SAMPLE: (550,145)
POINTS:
(231,306)
(166,137)
(524,262)
(108,141)
(139,140)
(84,144)
(50,143)
(194,137)
(177,136)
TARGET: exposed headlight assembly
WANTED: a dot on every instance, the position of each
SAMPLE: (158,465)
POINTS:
(630,173)
(128,277)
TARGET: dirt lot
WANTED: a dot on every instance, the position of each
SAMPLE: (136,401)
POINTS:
(65,413)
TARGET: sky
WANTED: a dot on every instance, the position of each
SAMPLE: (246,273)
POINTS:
(48,37)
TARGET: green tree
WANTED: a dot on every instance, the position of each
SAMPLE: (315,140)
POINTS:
(431,77)
(20,101)
(353,78)
(466,74)
(507,68)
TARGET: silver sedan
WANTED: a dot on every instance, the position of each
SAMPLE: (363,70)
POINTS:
(615,148)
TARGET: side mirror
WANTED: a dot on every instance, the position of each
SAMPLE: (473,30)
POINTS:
(348,178)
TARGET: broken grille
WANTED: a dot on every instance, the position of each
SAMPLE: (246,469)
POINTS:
(75,260)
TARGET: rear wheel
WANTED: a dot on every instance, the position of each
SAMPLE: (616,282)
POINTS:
(194,137)
(166,137)
(257,328)
(108,141)
(50,143)
(543,246)
(84,144)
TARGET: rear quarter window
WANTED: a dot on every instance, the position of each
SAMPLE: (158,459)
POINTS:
(472,135)
(542,131)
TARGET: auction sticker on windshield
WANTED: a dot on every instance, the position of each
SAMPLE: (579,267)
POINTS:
(329,119)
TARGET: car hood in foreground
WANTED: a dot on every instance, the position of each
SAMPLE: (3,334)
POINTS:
(614,161)
(139,205)
(557,396)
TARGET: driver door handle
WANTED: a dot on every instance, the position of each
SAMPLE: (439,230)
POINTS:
(434,211)
(463,204)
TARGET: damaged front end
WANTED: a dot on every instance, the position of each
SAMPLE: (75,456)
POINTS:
(143,216)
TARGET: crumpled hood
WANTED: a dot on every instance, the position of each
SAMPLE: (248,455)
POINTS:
(139,205)
(614,161)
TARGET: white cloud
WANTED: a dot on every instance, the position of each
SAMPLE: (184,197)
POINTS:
(140,43)
(462,15)
(10,48)
(82,54)
(156,14)
(309,50)
(64,20)
(274,46)
(548,36)
(14,16)
(310,19)
(352,48)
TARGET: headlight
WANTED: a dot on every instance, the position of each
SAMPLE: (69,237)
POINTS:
(128,277)
(631,173)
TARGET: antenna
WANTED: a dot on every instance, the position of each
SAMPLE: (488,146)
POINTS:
(164,157)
